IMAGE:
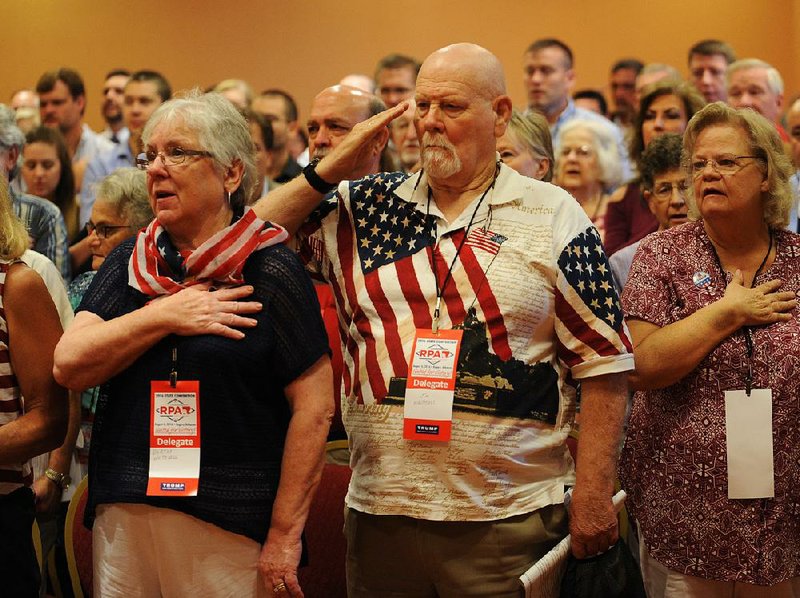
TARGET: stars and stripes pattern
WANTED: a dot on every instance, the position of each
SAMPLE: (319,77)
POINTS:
(382,252)
(587,302)
(387,231)
(221,259)
(485,239)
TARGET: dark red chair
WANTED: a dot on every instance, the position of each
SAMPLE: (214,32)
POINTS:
(324,577)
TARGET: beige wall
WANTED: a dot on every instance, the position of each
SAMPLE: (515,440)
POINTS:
(304,45)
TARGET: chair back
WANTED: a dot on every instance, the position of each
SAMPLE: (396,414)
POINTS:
(78,543)
(327,548)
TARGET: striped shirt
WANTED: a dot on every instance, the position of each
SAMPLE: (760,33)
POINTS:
(12,475)
(531,289)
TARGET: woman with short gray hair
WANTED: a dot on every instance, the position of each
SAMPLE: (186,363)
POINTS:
(206,336)
(120,210)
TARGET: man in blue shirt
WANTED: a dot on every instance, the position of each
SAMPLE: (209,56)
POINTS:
(549,78)
(62,104)
(143,93)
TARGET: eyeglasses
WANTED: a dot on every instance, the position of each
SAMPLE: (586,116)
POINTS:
(172,156)
(104,230)
(724,165)
(581,151)
(664,190)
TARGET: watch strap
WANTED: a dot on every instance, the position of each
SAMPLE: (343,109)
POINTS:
(316,181)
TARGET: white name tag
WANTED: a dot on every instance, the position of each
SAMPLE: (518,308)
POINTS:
(174,438)
(748,431)
(428,410)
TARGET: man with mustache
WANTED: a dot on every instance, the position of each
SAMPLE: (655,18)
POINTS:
(468,257)
(334,112)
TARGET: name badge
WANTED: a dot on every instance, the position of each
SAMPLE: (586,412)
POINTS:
(428,411)
(748,431)
(174,438)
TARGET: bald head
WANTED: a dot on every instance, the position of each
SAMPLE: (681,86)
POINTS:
(362,82)
(334,112)
(462,108)
(469,63)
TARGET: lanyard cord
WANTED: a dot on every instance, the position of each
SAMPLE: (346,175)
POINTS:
(440,290)
(748,335)
(173,375)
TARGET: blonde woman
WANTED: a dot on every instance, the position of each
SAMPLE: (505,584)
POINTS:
(29,331)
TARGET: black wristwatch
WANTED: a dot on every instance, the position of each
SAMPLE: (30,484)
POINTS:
(316,181)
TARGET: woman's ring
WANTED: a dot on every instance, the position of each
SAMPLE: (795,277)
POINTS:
(279,588)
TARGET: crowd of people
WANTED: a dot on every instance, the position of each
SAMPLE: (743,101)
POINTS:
(457,283)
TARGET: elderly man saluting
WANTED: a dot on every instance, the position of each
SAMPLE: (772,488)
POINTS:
(468,295)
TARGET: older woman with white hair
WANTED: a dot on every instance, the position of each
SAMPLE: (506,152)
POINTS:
(712,458)
(121,209)
(589,166)
(206,337)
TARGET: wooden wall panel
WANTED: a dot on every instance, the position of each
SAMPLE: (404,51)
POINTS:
(305,45)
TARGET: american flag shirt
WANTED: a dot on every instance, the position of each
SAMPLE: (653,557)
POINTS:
(532,290)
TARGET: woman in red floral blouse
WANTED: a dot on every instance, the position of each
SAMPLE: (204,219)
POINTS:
(712,310)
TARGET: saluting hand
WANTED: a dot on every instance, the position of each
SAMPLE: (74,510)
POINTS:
(346,157)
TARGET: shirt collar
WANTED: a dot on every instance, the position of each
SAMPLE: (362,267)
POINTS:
(566,114)
(506,188)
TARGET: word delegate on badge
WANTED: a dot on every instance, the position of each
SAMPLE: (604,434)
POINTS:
(175,442)
(431,384)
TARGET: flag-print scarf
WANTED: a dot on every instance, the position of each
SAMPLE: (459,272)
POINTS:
(157,268)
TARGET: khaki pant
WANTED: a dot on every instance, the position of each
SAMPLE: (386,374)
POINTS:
(660,582)
(398,556)
(139,550)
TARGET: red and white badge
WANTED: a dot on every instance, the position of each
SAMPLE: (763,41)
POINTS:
(174,438)
(428,411)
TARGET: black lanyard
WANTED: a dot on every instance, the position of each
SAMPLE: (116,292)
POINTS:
(440,290)
(746,331)
(173,375)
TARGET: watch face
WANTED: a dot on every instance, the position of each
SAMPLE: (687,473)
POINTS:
(61,479)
